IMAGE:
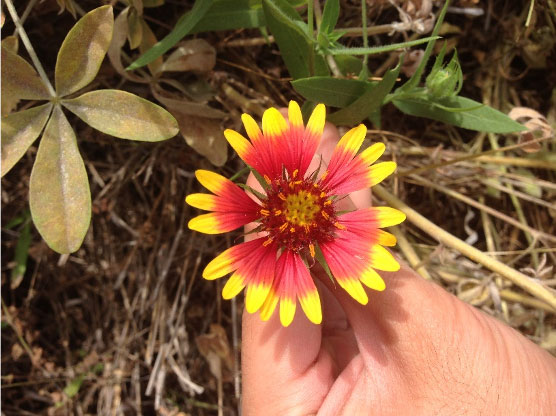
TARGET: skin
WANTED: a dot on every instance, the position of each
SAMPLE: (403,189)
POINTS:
(414,349)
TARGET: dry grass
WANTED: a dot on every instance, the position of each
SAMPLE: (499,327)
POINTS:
(129,314)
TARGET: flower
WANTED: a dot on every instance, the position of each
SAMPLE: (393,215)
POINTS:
(297,219)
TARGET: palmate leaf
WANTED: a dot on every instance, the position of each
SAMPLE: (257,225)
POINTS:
(20,79)
(59,194)
(83,50)
(19,131)
(124,115)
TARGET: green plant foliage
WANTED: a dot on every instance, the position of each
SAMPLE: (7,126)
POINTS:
(21,251)
(368,103)
(445,81)
(333,92)
(123,115)
(182,28)
(380,49)
(83,50)
(230,15)
(459,111)
(294,40)
(19,131)
(59,194)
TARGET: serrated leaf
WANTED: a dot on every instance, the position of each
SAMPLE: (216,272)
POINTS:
(479,117)
(20,79)
(124,115)
(333,92)
(83,50)
(59,195)
(182,28)
(368,103)
(229,15)
(19,131)
(295,44)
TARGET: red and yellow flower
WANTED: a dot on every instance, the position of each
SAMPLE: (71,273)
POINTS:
(297,219)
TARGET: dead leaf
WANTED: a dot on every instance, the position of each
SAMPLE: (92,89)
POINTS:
(191,55)
(68,5)
(119,39)
(538,126)
(134,29)
(204,136)
(147,41)
(215,347)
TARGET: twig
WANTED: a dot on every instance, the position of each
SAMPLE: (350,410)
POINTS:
(409,253)
(29,47)
(455,243)
(469,201)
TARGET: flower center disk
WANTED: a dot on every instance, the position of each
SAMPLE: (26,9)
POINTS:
(297,214)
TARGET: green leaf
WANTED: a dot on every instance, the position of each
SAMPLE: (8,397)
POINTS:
(83,50)
(449,110)
(184,26)
(19,131)
(59,194)
(333,92)
(293,40)
(368,103)
(19,78)
(21,252)
(330,16)
(319,256)
(379,49)
(349,64)
(73,386)
(230,15)
(123,115)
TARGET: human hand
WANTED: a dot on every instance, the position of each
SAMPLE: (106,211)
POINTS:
(413,349)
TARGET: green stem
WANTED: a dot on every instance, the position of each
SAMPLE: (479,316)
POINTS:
(364,27)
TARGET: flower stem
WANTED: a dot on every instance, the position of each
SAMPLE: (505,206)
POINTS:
(471,252)
(29,47)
